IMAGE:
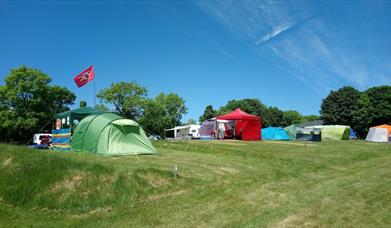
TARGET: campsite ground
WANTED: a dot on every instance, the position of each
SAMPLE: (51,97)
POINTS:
(221,183)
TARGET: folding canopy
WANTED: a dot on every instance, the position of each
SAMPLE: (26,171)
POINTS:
(247,127)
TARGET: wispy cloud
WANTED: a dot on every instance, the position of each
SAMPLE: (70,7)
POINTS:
(276,31)
(315,51)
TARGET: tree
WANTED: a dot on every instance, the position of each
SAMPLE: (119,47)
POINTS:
(291,117)
(346,106)
(128,98)
(310,118)
(208,113)
(28,103)
(83,104)
(379,99)
(102,108)
(191,121)
(250,105)
(274,117)
(163,112)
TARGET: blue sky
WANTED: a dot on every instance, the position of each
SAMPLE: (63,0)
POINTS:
(289,54)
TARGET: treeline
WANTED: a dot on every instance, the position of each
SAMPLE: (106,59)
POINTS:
(358,109)
(345,106)
(28,104)
(271,115)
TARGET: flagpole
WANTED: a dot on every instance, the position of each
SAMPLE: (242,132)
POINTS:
(94,94)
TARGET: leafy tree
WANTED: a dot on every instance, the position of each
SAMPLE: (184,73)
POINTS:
(291,117)
(191,121)
(128,98)
(361,119)
(163,112)
(250,105)
(274,117)
(102,108)
(28,103)
(310,118)
(379,99)
(83,104)
(346,106)
(208,113)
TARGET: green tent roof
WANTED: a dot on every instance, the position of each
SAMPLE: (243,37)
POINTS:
(109,134)
(291,131)
(79,113)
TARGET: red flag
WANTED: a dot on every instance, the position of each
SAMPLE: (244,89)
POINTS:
(84,77)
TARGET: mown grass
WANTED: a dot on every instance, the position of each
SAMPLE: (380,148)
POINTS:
(220,183)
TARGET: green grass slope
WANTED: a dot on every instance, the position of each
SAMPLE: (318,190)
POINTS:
(223,183)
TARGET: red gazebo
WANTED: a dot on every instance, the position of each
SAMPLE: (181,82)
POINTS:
(247,127)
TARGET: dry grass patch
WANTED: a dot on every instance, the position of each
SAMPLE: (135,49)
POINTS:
(7,161)
(96,211)
(154,180)
(267,198)
(224,171)
(165,195)
(294,220)
(71,183)
(289,143)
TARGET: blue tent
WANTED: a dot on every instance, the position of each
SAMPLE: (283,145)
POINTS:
(274,133)
(353,134)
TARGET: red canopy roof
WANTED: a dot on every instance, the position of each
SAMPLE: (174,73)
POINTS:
(237,115)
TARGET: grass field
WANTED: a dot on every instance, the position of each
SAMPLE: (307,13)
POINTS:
(222,183)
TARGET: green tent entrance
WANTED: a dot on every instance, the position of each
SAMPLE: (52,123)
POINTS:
(109,134)
(335,132)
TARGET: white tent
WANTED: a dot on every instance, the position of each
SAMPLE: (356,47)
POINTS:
(377,135)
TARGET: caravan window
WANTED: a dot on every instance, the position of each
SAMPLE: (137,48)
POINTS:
(194,131)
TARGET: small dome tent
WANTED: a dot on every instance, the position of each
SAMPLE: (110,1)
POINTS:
(274,133)
(109,134)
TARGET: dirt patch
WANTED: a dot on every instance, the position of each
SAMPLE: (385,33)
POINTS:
(294,220)
(7,161)
(165,195)
(289,143)
(224,171)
